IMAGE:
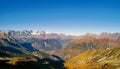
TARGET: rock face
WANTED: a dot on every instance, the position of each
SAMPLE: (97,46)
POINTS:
(47,44)
(13,47)
(10,47)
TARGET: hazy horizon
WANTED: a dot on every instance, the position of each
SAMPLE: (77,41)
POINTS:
(71,17)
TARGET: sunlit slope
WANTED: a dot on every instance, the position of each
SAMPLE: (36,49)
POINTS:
(87,43)
(97,59)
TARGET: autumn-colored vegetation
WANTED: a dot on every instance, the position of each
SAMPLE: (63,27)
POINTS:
(96,59)
(89,66)
(87,43)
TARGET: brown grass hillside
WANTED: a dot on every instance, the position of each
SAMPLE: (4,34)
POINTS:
(87,43)
(96,59)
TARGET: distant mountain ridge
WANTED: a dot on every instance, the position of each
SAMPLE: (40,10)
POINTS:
(48,41)
(50,35)
(41,40)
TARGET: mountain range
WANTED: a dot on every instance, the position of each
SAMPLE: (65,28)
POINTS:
(46,50)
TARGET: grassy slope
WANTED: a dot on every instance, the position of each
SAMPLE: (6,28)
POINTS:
(85,44)
(97,59)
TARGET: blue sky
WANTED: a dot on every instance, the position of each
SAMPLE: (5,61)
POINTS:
(61,16)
